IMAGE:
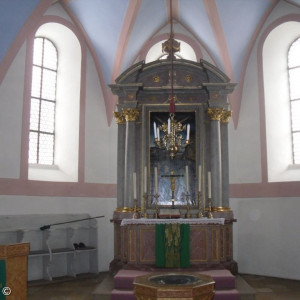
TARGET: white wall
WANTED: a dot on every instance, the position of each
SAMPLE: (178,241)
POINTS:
(266,236)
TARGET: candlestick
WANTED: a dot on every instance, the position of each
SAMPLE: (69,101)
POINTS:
(199,184)
(155,181)
(209,184)
(134,185)
(188,132)
(145,179)
(154,129)
(187,178)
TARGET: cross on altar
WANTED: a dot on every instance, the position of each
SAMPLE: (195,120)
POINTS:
(172,178)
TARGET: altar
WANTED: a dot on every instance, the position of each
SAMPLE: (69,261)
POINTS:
(172,118)
(209,243)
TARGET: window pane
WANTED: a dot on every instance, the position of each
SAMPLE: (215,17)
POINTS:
(294,83)
(34,114)
(47,116)
(38,51)
(50,56)
(33,138)
(293,56)
(46,149)
(295,110)
(296,147)
(36,82)
(49,85)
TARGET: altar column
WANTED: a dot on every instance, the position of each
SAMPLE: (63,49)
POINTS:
(119,116)
(131,115)
(215,115)
(225,158)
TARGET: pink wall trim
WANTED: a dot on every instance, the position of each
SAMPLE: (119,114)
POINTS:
(175,9)
(265,188)
(214,19)
(56,189)
(20,39)
(108,97)
(129,21)
(23,186)
(236,97)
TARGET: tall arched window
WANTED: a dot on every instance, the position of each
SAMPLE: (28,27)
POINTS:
(294,79)
(43,102)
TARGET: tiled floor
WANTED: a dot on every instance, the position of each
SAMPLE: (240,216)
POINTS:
(266,288)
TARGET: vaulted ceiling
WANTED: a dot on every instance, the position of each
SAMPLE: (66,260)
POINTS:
(117,30)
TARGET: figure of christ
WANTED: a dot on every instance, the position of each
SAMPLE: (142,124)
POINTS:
(172,178)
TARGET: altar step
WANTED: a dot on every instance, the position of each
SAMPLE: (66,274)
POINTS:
(225,287)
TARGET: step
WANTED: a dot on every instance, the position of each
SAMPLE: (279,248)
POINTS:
(124,279)
(219,295)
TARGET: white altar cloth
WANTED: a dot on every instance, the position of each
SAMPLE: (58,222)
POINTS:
(197,221)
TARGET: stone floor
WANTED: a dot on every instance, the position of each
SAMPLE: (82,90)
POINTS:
(266,288)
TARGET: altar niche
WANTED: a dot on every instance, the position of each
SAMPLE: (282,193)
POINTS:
(171,172)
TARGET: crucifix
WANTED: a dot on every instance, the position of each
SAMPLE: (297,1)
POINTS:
(172,178)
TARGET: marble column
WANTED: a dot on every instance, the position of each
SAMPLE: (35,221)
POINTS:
(131,115)
(119,116)
(225,157)
(215,115)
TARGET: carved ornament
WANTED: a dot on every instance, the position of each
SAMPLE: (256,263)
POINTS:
(215,114)
(226,115)
(119,116)
(131,114)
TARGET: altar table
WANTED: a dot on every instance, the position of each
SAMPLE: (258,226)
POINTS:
(210,241)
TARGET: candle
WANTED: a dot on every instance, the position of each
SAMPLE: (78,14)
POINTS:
(154,129)
(169,126)
(158,134)
(209,184)
(145,179)
(187,179)
(188,132)
(199,176)
(134,185)
(155,180)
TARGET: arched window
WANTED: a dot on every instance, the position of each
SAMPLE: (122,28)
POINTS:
(294,79)
(55,104)
(43,102)
(281,75)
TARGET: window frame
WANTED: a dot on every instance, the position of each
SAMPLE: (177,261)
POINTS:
(39,155)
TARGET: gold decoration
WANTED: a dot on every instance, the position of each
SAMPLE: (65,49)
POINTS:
(188,78)
(156,78)
(130,96)
(119,116)
(215,113)
(220,208)
(226,115)
(131,114)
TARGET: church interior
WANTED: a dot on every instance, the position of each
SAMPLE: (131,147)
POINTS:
(141,137)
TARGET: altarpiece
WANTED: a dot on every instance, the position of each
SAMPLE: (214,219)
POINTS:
(188,179)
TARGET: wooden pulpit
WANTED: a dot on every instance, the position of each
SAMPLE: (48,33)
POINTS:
(14,270)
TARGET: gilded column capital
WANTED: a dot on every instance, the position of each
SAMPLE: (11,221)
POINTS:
(226,115)
(131,114)
(215,113)
(119,116)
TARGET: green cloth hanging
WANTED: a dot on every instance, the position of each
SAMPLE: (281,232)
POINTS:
(185,245)
(2,278)
(160,252)
(172,245)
